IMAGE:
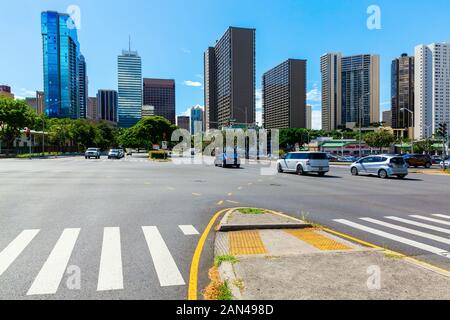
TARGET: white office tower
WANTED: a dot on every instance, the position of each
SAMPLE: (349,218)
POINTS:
(432,88)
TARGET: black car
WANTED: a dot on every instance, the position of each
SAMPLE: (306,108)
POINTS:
(418,160)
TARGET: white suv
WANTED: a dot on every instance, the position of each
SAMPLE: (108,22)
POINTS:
(304,162)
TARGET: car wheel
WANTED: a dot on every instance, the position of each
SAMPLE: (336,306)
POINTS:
(355,171)
(428,165)
(321,174)
(238,166)
(383,174)
(85,157)
(402,176)
(300,171)
(280,168)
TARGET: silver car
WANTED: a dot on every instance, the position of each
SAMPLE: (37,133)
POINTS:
(384,166)
(304,162)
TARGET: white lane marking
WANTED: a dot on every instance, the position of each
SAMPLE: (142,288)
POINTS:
(419,224)
(110,276)
(189,230)
(412,243)
(441,216)
(15,248)
(408,230)
(165,266)
(49,278)
(432,220)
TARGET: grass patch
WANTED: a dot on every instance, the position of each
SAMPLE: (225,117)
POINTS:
(225,292)
(251,211)
(393,256)
(227,258)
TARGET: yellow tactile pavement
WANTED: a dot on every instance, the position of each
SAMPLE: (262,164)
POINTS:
(317,240)
(246,243)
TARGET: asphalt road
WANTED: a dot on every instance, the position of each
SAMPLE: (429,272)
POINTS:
(96,229)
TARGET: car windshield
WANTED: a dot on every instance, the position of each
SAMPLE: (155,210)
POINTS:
(318,156)
(398,161)
(92,149)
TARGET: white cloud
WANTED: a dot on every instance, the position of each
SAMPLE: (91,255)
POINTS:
(191,83)
(317,120)
(314,95)
(27,93)
(258,95)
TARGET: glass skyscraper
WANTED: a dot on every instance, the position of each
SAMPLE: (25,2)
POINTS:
(82,87)
(130,88)
(61,52)
(197,120)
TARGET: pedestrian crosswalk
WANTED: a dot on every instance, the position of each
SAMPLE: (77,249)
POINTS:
(422,232)
(110,267)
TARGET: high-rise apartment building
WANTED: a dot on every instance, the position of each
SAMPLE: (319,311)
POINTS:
(350,90)
(309,122)
(130,88)
(183,122)
(432,88)
(230,79)
(82,87)
(61,52)
(92,110)
(107,105)
(160,93)
(284,95)
(196,120)
(402,92)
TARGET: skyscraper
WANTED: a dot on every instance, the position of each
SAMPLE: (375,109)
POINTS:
(402,92)
(309,123)
(160,93)
(92,110)
(196,120)
(230,79)
(284,95)
(107,105)
(130,88)
(82,87)
(5,91)
(61,52)
(183,122)
(330,65)
(350,90)
(432,88)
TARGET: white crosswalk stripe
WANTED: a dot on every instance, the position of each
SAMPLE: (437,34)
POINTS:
(408,230)
(393,237)
(49,278)
(189,230)
(110,275)
(447,223)
(165,266)
(15,248)
(441,216)
(419,224)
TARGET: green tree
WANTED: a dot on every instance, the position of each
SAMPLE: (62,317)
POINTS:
(15,115)
(153,129)
(107,135)
(380,139)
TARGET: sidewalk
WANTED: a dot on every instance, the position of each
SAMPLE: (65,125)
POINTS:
(295,261)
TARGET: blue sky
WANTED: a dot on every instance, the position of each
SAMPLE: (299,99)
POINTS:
(171,36)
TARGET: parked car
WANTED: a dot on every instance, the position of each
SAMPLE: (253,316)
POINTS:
(115,154)
(348,159)
(332,158)
(92,153)
(304,162)
(446,163)
(227,159)
(384,166)
(418,160)
(436,159)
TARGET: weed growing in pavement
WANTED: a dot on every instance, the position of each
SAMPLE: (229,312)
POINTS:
(226,258)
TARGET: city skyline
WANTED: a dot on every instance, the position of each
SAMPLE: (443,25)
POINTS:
(185,46)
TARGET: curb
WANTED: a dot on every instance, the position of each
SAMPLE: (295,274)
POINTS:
(227,274)
(231,227)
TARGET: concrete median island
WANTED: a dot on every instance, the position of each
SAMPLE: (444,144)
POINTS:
(295,261)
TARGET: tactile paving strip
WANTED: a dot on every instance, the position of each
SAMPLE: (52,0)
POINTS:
(317,240)
(246,243)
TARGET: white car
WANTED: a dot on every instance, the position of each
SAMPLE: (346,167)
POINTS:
(304,162)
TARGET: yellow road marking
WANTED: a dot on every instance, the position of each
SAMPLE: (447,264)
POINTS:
(317,240)
(193,277)
(246,243)
(220,202)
